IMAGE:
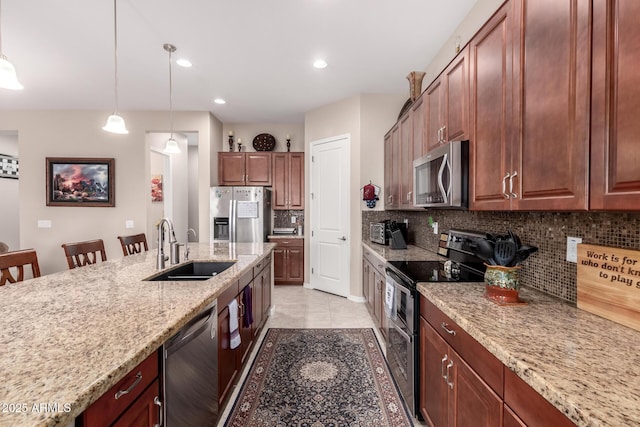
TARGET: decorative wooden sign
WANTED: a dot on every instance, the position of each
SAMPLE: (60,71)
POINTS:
(609,283)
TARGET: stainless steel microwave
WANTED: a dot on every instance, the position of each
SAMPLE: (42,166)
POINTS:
(441,177)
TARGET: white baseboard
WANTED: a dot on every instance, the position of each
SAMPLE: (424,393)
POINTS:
(307,285)
(356,299)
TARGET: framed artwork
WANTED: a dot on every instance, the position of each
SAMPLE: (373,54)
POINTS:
(156,188)
(9,167)
(73,181)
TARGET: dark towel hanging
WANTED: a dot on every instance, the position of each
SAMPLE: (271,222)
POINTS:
(247,319)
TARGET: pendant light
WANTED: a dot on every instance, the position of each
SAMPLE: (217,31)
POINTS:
(115,123)
(8,78)
(171,147)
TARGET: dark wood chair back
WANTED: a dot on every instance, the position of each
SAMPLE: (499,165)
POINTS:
(133,244)
(17,260)
(84,253)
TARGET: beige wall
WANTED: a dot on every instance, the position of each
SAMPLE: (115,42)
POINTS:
(475,19)
(366,118)
(378,114)
(79,134)
(10,208)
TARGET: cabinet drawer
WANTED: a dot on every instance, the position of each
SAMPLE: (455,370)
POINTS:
(374,260)
(288,242)
(261,265)
(245,279)
(490,369)
(108,407)
(227,295)
(529,406)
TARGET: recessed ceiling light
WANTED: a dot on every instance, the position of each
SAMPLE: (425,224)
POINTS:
(320,63)
(183,62)
(219,101)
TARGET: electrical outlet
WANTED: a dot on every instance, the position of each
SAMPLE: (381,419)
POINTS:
(572,248)
(434,225)
(293,219)
(129,223)
(44,223)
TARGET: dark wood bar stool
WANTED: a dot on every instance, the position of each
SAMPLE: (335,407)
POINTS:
(17,260)
(133,244)
(84,253)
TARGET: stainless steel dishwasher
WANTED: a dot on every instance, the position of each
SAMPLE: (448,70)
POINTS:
(191,372)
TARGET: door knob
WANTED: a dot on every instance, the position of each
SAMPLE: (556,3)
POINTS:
(342,238)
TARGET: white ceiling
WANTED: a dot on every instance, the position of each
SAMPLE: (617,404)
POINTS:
(257,54)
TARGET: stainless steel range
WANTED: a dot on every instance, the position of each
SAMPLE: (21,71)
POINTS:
(402,278)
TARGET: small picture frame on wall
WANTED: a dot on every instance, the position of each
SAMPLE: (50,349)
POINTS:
(9,167)
(74,181)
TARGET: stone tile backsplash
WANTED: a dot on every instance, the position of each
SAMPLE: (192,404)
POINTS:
(547,270)
(282,219)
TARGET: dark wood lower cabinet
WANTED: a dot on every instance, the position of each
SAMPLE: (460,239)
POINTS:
(477,390)
(144,412)
(451,393)
(136,407)
(373,288)
(288,261)
(231,361)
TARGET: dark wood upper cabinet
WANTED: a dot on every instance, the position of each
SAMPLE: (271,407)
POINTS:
(530,88)
(433,122)
(491,85)
(550,156)
(244,169)
(392,168)
(417,123)
(615,106)
(288,181)
(405,184)
(447,104)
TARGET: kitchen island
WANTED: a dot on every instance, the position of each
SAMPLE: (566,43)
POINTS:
(66,338)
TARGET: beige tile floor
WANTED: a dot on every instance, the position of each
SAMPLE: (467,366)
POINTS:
(297,307)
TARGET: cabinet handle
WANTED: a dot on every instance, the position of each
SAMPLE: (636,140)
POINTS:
(121,393)
(409,196)
(514,195)
(449,365)
(444,130)
(439,135)
(504,187)
(447,329)
(444,376)
(158,403)
(241,311)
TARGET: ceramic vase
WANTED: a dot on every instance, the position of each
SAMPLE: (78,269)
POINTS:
(502,285)
(415,84)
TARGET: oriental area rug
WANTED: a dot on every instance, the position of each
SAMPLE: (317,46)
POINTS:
(318,378)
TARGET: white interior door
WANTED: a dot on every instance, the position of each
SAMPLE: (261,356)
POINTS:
(330,168)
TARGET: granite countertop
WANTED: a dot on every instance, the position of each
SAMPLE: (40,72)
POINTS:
(586,366)
(66,338)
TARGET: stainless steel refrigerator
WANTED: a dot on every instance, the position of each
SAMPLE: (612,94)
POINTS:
(240,214)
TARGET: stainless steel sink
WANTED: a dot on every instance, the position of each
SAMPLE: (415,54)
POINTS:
(193,270)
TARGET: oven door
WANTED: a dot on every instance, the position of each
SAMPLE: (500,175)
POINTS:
(400,355)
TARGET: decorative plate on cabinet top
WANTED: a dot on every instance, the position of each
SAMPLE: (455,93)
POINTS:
(264,142)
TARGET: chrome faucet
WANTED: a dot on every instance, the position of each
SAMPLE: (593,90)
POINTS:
(186,243)
(160,258)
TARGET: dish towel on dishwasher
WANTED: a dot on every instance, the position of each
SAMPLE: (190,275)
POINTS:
(389,300)
(247,318)
(234,331)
